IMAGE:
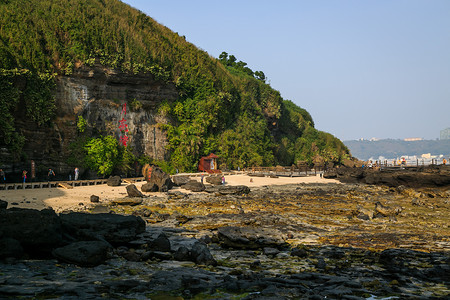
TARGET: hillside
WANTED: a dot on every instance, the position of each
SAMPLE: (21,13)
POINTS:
(61,64)
(390,148)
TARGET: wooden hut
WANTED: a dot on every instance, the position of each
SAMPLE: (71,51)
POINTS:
(208,164)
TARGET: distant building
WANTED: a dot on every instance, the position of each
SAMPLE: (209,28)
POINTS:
(412,139)
(445,134)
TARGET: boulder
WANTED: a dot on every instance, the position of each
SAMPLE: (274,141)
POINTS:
(197,252)
(10,247)
(180,180)
(114,181)
(36,231)
(149,187)
(110,227)
(133,191)
(157,176)
(201,255)
(161,243)
(95,199)
(215,180)
(182,254)
(3,204)
(194,186)
(249,238)
(84,253)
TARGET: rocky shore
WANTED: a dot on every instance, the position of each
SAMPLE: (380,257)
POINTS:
(300,241)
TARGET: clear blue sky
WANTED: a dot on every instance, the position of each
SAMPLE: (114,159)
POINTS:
(361,68)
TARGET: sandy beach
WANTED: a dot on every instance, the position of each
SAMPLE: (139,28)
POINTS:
(61,199)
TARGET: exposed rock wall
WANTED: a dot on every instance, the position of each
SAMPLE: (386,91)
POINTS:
(98,94)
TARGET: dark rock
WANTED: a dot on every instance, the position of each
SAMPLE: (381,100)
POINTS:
(145,212)
(182,254)
(299,252)
(321,264)
(149,187)
(161,243)
(129,255)
(128,201)
(200,255)
(155,175)
(10,247)
(114,181)
(37,231)
(215,180)
(180,180)
(3,204)
(157,254)
(95,199)
(194,186)
(133,191)
(206,239)
(249,237)
(85,253)
(270,251)
(113,228)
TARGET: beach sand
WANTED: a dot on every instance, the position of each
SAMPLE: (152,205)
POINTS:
(61,199)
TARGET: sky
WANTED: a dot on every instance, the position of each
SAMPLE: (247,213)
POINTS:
(362,69)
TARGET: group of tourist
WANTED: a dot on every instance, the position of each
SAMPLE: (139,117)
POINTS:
(50,175)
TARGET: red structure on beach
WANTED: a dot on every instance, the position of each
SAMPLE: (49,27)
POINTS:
(208,164)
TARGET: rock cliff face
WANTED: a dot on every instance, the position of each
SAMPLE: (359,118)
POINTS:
(103,97)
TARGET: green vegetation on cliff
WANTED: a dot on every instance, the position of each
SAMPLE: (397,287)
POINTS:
(223,106)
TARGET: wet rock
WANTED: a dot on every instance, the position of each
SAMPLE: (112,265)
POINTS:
(194,186)
(85,253)
(201,255)
(37,231)
(113,228)
(180,180)
(114,181)
(182,254)
(133,191)
(128,254)
(270,251)
(161,243)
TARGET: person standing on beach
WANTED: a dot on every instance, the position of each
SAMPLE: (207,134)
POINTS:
(50,175)
(77,173)
(24,176)
(2,176)
(201,178)
(223,179)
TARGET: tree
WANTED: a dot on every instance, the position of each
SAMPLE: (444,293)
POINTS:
(102,154)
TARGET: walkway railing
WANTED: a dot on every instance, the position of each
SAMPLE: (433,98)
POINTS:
(64,184)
